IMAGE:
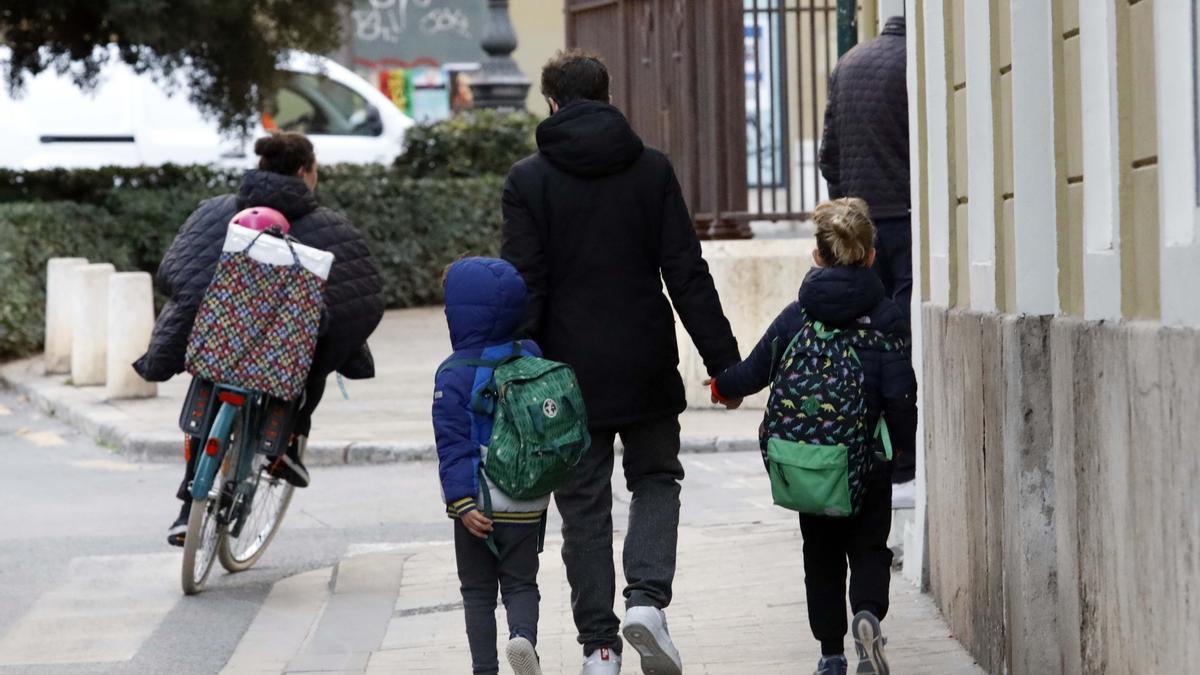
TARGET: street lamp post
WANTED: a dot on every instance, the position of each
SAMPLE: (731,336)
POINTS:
(499,83)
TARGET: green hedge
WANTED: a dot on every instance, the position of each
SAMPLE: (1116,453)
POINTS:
(481,143)
(129,217)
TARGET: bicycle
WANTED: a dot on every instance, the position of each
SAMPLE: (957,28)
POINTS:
(237,505)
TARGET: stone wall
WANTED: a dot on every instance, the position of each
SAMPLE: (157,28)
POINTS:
(756,279)
(1063,480)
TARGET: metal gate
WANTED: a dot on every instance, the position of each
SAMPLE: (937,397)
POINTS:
(732,90)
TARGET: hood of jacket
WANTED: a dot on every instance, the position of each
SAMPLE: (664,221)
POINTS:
(589,139)
(286,194)
(485,302)
(840,296)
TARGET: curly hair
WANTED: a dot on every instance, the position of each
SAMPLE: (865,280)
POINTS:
(573,75)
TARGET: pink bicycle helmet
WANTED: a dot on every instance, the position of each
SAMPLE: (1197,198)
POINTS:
(261,219)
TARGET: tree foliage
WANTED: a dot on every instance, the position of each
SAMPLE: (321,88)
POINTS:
(225,51)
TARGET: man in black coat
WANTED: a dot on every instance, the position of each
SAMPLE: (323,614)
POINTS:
(596,223)
(864,154)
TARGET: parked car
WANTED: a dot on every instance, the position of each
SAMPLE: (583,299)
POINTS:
(130,119)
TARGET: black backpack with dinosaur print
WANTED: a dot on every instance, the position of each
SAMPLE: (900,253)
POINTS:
(815,436)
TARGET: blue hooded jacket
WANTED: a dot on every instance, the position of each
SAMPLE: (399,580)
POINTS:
(485,303)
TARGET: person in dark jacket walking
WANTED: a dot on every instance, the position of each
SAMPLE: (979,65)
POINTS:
(864,154)
(596,224)
(842,292)
(485,303)
(285,181)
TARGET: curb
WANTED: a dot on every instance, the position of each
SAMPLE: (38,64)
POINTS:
(143,447)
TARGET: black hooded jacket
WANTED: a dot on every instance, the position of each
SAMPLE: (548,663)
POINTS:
(864,148)
(353,292)
(596,223)
(842,297)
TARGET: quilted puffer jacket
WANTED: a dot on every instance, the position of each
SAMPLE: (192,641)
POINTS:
(353,292)
(864,149)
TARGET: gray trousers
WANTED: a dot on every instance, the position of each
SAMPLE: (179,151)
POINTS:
(515,574)
(652,475)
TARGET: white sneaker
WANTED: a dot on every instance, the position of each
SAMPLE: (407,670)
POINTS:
(646,631)
(904,495)
(603,661)
(869,642)
(522,657)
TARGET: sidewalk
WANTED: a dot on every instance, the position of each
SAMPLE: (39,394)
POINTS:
(385,419)
(739,609)
(739,605)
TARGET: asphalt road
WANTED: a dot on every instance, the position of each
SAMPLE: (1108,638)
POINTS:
(83,553)
(89,585)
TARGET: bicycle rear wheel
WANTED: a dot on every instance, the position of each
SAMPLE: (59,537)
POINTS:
(271,499)
(205,530)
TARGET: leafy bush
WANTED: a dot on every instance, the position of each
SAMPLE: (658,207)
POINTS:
(484,142)
(130,216)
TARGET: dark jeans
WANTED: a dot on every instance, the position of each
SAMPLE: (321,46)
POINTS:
(862,540)
(652,475)
(314,389)
(893,260)
(893,264)
(480,572)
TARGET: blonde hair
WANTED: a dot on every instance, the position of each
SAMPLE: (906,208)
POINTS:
(845,233)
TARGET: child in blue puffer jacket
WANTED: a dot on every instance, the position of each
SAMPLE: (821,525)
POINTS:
(485,302)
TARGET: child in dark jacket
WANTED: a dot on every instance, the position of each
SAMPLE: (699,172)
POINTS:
(843,292)
(485,302)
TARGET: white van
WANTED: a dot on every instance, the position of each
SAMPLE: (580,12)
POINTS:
(130,120)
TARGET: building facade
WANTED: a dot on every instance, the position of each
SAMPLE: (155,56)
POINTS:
(1054,163)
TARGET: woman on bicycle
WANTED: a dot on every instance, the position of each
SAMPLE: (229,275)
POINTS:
(285,181)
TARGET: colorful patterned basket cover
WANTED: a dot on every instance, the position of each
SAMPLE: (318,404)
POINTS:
(257,325)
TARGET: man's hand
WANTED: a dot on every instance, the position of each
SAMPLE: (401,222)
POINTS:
(729,403)
(477,524)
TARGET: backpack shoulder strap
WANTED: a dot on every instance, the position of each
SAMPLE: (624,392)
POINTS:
(471,363)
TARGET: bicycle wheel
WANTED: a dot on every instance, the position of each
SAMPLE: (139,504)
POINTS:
(265,513)
(205,530)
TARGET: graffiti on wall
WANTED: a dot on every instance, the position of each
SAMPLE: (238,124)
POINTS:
(390,21)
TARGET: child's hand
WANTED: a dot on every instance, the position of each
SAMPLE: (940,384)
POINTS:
(729,403)
(477,524)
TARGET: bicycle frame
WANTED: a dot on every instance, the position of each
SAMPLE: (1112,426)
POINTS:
(233,400)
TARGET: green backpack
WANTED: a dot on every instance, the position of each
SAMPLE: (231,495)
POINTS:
(539,429)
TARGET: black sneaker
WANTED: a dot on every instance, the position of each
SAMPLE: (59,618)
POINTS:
(178,530)
(832,665)
(289,467)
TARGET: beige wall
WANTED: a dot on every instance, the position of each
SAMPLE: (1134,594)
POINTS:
(541,31)
(1139,159)
(1068,133)
(1138,149)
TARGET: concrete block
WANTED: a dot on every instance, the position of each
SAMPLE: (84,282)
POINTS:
(130,323)
(89,324)
(1030,550)
(1065,353)
(59,312)
(756,280)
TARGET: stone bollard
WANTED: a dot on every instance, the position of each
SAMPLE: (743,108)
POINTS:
(89,324)
(130,322)
(59,310)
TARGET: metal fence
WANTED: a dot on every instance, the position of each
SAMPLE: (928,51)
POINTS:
(791,47)
(732,90)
